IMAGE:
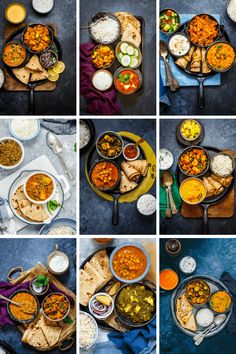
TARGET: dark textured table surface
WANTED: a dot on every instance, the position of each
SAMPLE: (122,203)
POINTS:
(143,103)
(96,213)
(61,101)
(219,133)
(26,253)
(213,257)
(218,98)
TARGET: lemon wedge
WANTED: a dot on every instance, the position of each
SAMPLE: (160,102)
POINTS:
(53,78)
(105,300)
(52,73)
(59,67)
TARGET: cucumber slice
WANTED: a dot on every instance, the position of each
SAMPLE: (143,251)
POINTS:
(133,62)
(120,55)
(125,61)
(123,47)
(136,54)
(130,50)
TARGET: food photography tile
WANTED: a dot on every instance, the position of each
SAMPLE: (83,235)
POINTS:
(197,295)
(197,176)
(118,306)
(197,40)
(37,176)
(117,176)
(39,277)
(118,57)
(38,61)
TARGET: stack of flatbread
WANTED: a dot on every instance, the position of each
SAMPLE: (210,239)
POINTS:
(131,172)
(195,59)
(130,27)
(95,274)
(42,334)
(26,209)
(184,313)
(216,185)
(31,72)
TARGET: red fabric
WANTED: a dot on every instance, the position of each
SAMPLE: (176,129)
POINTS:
(98,102)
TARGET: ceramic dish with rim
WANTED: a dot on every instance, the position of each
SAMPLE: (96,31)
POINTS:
(56,307)
(58,223)
(10,145)
(24,129)
(220,56)
(132,150)
(169,21)
(179,45)
(104,38)
(39,188)
(194,161)
(102,80)
(166,159)
(130,262)
(109,145)
(98,309)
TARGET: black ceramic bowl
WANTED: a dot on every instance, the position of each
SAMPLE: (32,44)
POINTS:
(50,34)
(161,12)
(26,54)
(191,148)
(126,321)
(105,189)
(97,17)
(22,321)
(218,43)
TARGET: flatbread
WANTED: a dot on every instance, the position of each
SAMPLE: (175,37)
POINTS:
(205,67)
(37,76)
(140,165)
(87,287)
(225,181)
(184,313)
(131,173)
(35,337)
(104,263)
(52,334)
(17,196)
(125,18)
(100,281)
(35,212)
(131,34)
(22,74)
(34,64)
(125,184)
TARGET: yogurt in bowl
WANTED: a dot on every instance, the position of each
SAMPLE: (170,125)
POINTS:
(179,45)
(166,159)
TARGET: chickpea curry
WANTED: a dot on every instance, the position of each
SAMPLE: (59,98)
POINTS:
(27,308)
(109,146)
(104,175)
(14,54)
(56,306)
(37,38)
(129,262)
(197,292)
(39,187)
(194,161)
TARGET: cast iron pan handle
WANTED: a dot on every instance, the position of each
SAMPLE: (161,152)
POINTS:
(115,213)
(201,98)
(31,101)
(66,344)
(205,226)
(12,271)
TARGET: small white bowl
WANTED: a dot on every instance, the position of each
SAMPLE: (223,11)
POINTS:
(22,138)
(22,149)
(129,159)
(36,201)
(111,307)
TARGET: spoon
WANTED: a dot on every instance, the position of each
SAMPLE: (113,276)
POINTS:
(22,304)
(54,143)
(168,211)
(172,82)
(198,338)
(168,182)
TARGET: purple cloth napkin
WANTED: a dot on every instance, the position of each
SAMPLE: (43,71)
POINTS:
(7,289)
(98,102)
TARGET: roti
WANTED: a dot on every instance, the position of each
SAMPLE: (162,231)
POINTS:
(125,184)
(103,261)
(131,34)
(35,212)
(52,334)
(125,18)
(131,173)
(37,76)
(140,165)
(34,64)
(22,74)
(87,287)
(184,313)
(35,337)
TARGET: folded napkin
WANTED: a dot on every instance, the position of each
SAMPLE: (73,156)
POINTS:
(136,341)
(230,283)
(175,193)
(59,126)
(98,102)
(7,289)
(186,80)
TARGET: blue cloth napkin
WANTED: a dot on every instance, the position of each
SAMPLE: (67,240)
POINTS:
(186,80)
(136,341)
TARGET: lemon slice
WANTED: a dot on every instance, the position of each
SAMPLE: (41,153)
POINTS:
(53,78)
(59,67)
(52,73)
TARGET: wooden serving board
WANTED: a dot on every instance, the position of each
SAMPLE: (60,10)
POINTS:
(13,85)
(67,330)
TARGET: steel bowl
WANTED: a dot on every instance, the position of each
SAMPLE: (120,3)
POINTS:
(65,315)
(233,164)
(108,66)
(110,132)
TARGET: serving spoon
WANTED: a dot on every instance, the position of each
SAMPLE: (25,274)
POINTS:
(168,182)
(22,304)
(218,320)
(171,81)
(168,211)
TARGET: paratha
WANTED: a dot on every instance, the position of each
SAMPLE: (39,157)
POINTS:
(52,334)
(131,34)
(37,76)
(35,212)
(131,173)
(22,74)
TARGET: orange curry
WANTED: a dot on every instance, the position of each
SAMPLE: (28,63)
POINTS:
(104,175)
(127,81)
(39,187)
(221,56)
(37,38)
(168,279)
(14,54)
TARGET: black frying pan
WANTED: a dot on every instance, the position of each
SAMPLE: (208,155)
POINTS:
(200,77)
(17,35)
(207,202)
(93,157)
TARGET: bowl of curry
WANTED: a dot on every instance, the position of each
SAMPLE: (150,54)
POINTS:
(37,38)
(129,262)
(39,187)
(192,191)
(220,56)
(14,54)
(109,145)
(56,307)
(194,161)
(104,175)
(11,153)
(28,308)
(127,80)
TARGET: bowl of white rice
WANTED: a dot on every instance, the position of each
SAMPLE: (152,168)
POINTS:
(222,164)
(231,10)
(104,28)
(59,226)
(24,128)
(2,78)
(88,333)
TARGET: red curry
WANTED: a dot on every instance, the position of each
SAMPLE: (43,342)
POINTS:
(104,175)
(127,81)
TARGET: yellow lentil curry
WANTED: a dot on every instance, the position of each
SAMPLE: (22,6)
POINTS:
(220,301)
(27,309)
(221,56)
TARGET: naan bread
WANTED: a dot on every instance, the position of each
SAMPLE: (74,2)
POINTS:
(131,173)
(140,165)
(131,34)
(125,184)
(34,64)
(52,334)
(22,74)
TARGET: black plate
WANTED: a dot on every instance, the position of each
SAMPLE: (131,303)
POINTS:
(94,157)
(186,142)
(7,347)
(207,202)
(91,127)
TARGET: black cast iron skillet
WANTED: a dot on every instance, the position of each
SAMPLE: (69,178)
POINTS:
(7,347)
(17,35)
(207,202)
(200,77)
(93,157)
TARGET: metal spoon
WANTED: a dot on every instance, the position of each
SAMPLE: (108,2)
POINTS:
(168,211)
(54,143)
(168,182)
(198,338)
(172,82)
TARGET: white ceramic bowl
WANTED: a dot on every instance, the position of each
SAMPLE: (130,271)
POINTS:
(129,159)
(90,349)
(22,149)
(46,200)
(22,138)
(111,307)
